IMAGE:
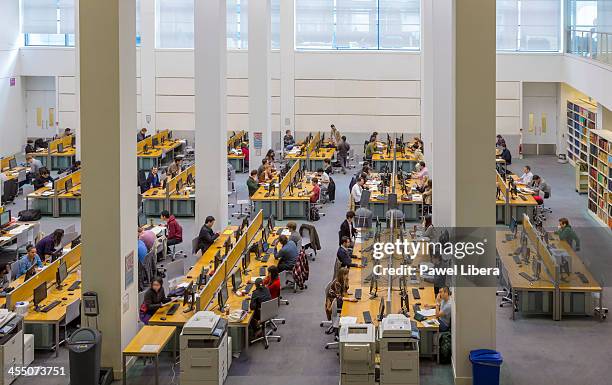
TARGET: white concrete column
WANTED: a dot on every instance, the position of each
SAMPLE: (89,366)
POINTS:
(210,110)
(108,118)
(287,66)
(427,81)
(147,66)
(77,81)
(461,64)
(259,80)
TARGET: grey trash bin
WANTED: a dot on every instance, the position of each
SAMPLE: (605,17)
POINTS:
(84,349)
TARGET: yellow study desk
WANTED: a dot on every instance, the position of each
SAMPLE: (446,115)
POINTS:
(60,154)
(552,293)
(157,150)
(149,342)
(178,196)
(234,153)
(510,205)
(9,167)
(64,198)
(406,160)
(37,322)
(410,204)
(312,155)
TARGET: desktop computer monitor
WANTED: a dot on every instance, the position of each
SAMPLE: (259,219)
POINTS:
(236,279)
(190,180)
(228,246)
(61,274)
(179,186)
(381,309)
(75,242)
(513,226)
(188,295)
(155,142)
(40,293)
(31,272)
(73,141)
(223,295)
(67,239)
(246,259)
(266,233)
(60,148)
(68,185)
(12,163)
(5,218)
(169,135)
(218,259)
(271,223)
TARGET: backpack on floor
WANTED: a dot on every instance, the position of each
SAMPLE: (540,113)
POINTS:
(29,215)
(314,214)
(446,348)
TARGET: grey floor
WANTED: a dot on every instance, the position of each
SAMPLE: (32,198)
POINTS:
(536,350)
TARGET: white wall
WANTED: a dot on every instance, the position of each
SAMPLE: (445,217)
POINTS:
(12,110)
(40,92)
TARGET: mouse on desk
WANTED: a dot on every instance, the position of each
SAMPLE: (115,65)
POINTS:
(162,318)
(70,293)
(65,298)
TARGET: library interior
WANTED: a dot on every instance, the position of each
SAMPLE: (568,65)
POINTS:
(178,178)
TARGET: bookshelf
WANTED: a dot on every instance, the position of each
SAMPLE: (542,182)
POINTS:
(582,177)
(600,176)
(581,118)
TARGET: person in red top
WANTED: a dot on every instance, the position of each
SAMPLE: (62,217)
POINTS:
(245,151)
(174,230)
(272,282)
(316,190)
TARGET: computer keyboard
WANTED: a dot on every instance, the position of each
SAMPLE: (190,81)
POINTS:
(367,317)
(74,286)
(416,294)
(11,227)
(50,306)
(582,277)
(245,304)
(248,288)
(172,309)
(358,294)
(526,276)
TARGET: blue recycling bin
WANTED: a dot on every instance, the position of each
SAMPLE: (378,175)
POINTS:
(486,364)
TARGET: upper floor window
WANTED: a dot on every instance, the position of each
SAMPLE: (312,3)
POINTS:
(48,22)
(528,25)
(358,24)
(175,27)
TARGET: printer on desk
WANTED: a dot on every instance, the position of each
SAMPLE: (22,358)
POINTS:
(399,351)
(11,345)
(205,350)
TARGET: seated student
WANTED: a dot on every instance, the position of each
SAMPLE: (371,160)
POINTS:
(47,246)
(260,295)
(245,151)
(142,134)
(29,260)
(505,154)
(343,254)
(370,149)
(154,298)
(147,236)
(252,183)
(428,193)
(324,178)
(142,251)
(443,308)
(347,228)
(67,132)
(566,233)
(175,168)
(287,255)
(500,142)
(270,157)
(44,177)
(76,166)
(295,235)
(338,290)
(207,236)
(272,282)
(428,229)
(357,190)
(261,171)
(316,190)
(34,164)
(327,167)
(288,140)
(540,188)
(153,179)
(29,147)
(175,231)
(527,176)
(422,172)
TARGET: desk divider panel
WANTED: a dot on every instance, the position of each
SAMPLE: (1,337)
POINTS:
(66,141)
(254,227)
(4,162)
(547,259)
(145,142)
(208,293)
(60,184)
(180,177)
(235,139)
(73,258)
(26,290)
(161,136)
(503,186)
(284,184)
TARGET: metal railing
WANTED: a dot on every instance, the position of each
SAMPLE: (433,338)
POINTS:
(591,44)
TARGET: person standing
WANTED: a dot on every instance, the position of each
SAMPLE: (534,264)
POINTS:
(343,148)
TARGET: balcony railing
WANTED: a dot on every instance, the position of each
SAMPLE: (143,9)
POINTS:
(592,44)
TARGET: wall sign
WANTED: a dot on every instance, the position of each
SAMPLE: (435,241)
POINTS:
(129,269)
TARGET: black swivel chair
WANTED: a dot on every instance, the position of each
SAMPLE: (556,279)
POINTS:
(10,191)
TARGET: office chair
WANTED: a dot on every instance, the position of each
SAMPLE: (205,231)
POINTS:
(10,191)
(281,320)
(541,210)
(307,243)
(326,323)
(269,310)
(335,325)
(73,311)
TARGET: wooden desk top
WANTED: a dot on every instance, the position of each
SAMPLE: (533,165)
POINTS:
(73,193)
(179,317)
(401,198)
(160,149)
(323,153)
(39,193)
(356,309)
(154,193)
(403,157)
(149,335)
(54,294)
(14,172)
(68,151)
(235,156)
